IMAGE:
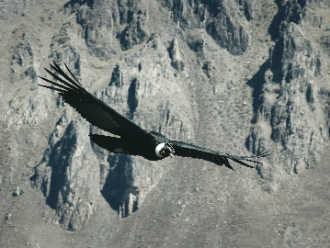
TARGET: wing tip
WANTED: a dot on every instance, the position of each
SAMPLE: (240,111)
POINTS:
(226,162)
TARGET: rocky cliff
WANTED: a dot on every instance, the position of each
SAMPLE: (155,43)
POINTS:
(235,76)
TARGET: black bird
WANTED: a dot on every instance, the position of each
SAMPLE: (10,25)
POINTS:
(132,139)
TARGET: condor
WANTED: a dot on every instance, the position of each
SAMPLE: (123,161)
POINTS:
(132,139)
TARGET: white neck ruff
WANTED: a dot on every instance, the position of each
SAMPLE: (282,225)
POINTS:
(158,149)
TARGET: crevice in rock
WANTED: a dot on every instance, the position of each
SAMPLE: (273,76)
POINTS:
(116,77)
(256,83)
(291,11)
(276,60)
(132,99)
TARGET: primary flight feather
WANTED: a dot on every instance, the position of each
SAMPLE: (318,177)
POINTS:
(132,139)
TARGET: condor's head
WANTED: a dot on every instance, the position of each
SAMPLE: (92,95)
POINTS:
(164,150)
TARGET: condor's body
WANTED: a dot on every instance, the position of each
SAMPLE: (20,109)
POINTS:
(143,144)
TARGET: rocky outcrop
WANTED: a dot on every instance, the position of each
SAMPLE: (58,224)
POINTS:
(69,175)
(137,30)
(175,55)
(289,111)
(26,112)
(23,108)
(24,51)
(225,21)
(288,11)
(101,23)
(227,28)
(98,21)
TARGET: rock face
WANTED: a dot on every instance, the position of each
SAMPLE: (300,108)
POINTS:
(225,21)
(101,23)
(68,176)
(288,101)
(235,76)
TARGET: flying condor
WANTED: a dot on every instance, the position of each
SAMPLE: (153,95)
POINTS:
(132,139)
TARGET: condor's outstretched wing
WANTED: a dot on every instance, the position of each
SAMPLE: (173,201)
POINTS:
(187,150)
(88,106)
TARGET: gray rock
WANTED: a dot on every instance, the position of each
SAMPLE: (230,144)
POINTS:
(289,102)
(18,191)
(24,109)
(24,51)
(325,43)
(99,22)
(219,18)
(289,11)
(72,184)
(137,30)
(175,55)
(196,43)
(227,32)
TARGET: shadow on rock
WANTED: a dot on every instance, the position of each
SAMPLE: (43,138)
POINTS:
(119,183)
(256,83)
(79,2)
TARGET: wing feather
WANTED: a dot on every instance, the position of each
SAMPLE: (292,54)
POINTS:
(88,106)
(188,150)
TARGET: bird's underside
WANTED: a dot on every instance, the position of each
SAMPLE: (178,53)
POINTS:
(132,139)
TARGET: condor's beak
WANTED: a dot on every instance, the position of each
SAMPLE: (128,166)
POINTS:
(171,150)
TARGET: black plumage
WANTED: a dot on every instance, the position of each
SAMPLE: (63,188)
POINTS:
(132,139)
